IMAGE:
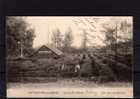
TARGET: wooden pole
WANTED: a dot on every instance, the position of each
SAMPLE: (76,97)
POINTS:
(21,49)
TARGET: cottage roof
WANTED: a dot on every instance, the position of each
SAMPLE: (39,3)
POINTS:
(52,48)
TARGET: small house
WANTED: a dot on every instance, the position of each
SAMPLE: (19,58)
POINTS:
(46,51)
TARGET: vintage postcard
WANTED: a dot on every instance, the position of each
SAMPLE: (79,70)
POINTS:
(69,56)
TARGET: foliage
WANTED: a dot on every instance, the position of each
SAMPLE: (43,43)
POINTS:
(17,33)
(57,38)
(68,39)
(110,35)
(84,41)
(120,64)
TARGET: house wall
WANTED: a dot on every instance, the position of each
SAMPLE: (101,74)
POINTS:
(45,55)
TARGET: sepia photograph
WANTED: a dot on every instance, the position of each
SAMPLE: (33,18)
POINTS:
(69,56)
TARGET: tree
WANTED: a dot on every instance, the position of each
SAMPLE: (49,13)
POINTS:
(110,35)
(57,38)
(17,34)
(68,39)
(118,31)
(28,40)
(126,29)
(88,25)
(84,40)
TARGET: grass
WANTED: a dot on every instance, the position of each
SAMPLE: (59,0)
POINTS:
(22,70)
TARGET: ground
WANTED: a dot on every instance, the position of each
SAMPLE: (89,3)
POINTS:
(69,87)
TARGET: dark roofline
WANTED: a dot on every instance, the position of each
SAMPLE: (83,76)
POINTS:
(40,48)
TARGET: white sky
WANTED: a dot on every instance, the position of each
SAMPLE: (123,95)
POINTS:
(44,25)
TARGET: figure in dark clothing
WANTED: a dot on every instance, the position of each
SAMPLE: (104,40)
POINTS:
(85,64)
(94,68)
(82,60)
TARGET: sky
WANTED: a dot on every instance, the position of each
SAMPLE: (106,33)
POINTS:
(44,25)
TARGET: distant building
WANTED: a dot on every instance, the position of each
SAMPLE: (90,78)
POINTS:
(46,51)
